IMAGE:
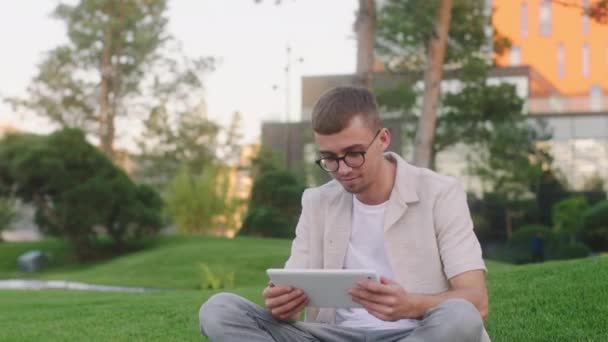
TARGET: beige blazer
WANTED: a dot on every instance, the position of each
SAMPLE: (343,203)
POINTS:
(428,231)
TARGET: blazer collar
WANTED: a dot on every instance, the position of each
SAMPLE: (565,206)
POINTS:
(404,190)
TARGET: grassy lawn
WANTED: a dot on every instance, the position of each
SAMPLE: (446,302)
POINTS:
(554,301)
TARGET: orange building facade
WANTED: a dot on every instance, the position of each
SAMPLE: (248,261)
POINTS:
(566,47)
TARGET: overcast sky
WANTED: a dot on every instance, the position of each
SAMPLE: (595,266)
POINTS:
(249,40)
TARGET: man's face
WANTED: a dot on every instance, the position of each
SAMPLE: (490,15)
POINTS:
(356,137)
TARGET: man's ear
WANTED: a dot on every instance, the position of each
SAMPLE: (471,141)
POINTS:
(385,138)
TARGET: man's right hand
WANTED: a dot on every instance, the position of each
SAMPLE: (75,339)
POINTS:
(284,302)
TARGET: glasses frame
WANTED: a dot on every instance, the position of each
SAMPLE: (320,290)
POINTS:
(343,158)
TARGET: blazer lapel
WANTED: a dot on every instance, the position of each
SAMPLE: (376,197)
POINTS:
(404,191)
(337,230)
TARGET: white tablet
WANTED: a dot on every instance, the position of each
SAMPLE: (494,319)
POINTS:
(325,288)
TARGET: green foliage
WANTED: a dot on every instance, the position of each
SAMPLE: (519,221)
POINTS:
(274,205)
(189,143)
(406,26)
(119,61)
(216,279)
(571,250)
(568,215)
(195,201)
(7,213)
(75,188)
(518,249)
(595,223)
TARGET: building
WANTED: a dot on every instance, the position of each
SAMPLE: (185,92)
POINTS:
(569,51)
(558,64)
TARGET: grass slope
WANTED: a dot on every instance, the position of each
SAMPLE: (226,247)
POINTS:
(554,301)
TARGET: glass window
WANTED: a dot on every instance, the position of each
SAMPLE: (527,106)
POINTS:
(515,55)
(561,60)
(596,97)
(585,17)
(545,18)
(586,59)
(523,20)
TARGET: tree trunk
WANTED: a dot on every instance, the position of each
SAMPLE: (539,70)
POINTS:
(106,121)
(425,136)
(365,27)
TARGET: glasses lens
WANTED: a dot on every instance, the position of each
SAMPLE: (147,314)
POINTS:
(330,165)
(354,159)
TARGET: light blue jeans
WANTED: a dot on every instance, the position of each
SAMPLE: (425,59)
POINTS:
(228,317)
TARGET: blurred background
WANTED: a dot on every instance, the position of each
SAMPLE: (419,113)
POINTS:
(122,119)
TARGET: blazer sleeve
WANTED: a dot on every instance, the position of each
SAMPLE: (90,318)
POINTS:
(300,248)
(458,246)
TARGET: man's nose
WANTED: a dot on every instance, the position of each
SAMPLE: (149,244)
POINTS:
(343,168)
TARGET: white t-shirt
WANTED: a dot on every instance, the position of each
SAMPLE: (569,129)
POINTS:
(366,250)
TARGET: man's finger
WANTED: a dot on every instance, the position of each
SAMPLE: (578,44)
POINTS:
(290,307)
(275,291)
(374,286)
(376,307)
(275,302)
(383,299)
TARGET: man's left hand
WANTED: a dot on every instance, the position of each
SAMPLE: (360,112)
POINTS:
(385,300)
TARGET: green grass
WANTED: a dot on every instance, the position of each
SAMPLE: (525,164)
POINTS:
(554,301)
(170,263)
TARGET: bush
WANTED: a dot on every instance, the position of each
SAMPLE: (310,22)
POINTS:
(7,213)
(567,215)
(595,226)
(79,194)
(568,251)
(519,249)
(198,202)
(274,206)
(216,279)
(267,222)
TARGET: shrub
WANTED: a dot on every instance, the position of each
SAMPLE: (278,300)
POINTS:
(76,190)
(567,215)
(274,205)
(216,279)
(595,226)
(519,248)
(7,213)
(568,251)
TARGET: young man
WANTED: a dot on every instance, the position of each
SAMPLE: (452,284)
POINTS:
(409,224)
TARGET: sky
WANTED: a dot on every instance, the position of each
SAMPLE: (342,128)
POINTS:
(248,39)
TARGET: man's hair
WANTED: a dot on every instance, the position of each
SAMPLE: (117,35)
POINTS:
(338,106)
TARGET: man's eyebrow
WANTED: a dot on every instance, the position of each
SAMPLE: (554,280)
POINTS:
(346,149)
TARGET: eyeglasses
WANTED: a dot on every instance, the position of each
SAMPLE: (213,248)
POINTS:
(353,159)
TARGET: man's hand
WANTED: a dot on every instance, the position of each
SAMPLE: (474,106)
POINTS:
(284,302)
(385,300)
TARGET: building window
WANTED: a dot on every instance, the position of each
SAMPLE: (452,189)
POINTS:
(515,55)
(596,97)
(585,17)
(523,20)
(545,18)
(561,60)
(586,60)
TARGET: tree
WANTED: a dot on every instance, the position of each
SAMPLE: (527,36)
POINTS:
(169,142)
(77,192)
(7,213)
(232,145)
(413,37)
(598,10)
(568,216)
(199,202)
(365,28)
(117,59)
